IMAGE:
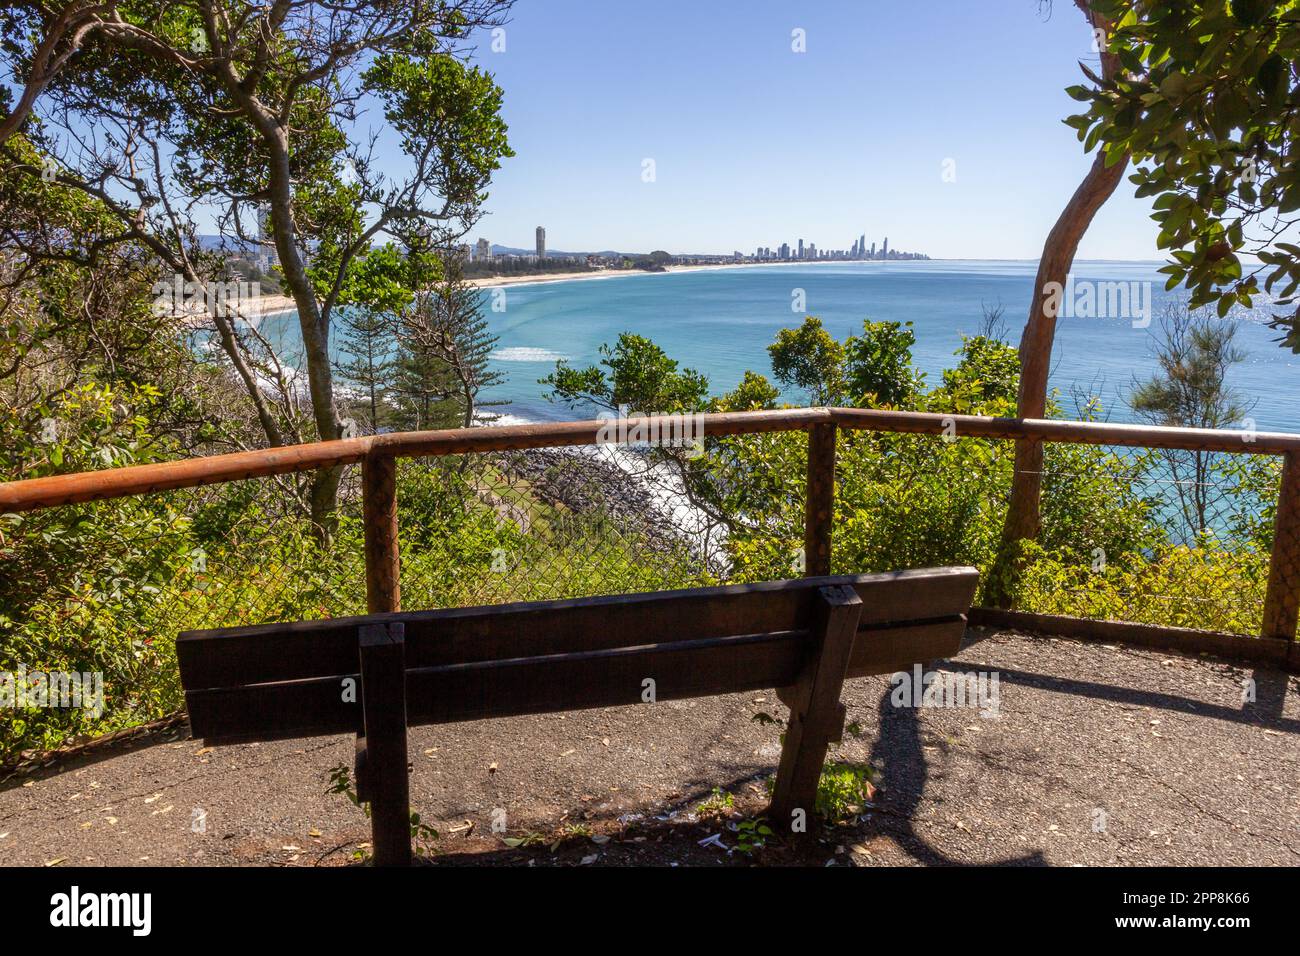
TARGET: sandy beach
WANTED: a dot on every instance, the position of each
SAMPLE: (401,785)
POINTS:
(277,304)
(492,282)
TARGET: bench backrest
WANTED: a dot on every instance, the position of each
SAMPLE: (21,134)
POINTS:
(282,681)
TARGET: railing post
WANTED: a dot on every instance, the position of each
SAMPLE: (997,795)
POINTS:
(1282,601)
(819,507)
(383,563)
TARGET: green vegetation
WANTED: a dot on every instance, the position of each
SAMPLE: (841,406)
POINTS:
(1204,102)
(1114,540)
(423,834)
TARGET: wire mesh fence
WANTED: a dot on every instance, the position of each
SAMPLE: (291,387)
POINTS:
(1142,535)
(1164,537)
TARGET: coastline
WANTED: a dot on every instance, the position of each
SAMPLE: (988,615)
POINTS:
(279,304)
(492,282)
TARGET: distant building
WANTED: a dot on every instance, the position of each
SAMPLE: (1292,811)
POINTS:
(541,242)
(483,250)
(266,254)
(862,245)
(884,250)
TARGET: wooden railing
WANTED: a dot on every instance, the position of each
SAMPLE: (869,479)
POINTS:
(378,454)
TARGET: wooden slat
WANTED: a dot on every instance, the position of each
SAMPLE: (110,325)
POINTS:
(576,681)
(1187,640)
(1230,440)
(505,688)
(1282,599)
(884,650)
(383,560)
(33,493)
(305,650)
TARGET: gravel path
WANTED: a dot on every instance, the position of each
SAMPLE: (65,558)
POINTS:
(1099,755)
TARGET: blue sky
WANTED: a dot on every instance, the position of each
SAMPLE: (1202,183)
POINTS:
(755,144)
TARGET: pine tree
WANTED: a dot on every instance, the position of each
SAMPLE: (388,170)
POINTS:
(447,340)
(368,348)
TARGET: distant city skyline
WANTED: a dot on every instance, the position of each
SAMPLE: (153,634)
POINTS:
(858,250)
(953,160)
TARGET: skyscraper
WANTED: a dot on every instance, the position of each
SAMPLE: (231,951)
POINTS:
(541,242)
(266,254)
(483,250)
(884,250)
(862,246)
(800,248)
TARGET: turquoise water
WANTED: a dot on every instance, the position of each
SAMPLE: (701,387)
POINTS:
(720,322)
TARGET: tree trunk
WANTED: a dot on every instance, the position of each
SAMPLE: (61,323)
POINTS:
(1023,520)
(314,327)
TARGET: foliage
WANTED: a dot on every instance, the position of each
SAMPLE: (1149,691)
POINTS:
(366,345)
(718,804)
(257,113)
(1204,103)
(640,377)
(445,343)
(879,365)
(843,790)
(422,834)
(809,358)
(752,835)
(105,587)
(1194,355)
(1208,586)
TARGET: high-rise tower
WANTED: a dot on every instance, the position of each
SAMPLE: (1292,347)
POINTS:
(541,242)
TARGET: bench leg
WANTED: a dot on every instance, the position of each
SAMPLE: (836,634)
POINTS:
(816,714)
(383,701)
(362,775)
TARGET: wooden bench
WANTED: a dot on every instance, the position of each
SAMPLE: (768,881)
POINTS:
(379,674)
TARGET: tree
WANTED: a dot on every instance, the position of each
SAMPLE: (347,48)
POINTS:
(810,358)
(167,109)
(878,365)
(642,379)
(423,385)
(59,32)
(447,326)
(1205,103)
(367,346)
(1194,355)
(1023,519)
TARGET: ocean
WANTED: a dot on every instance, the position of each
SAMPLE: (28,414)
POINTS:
(720,322)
